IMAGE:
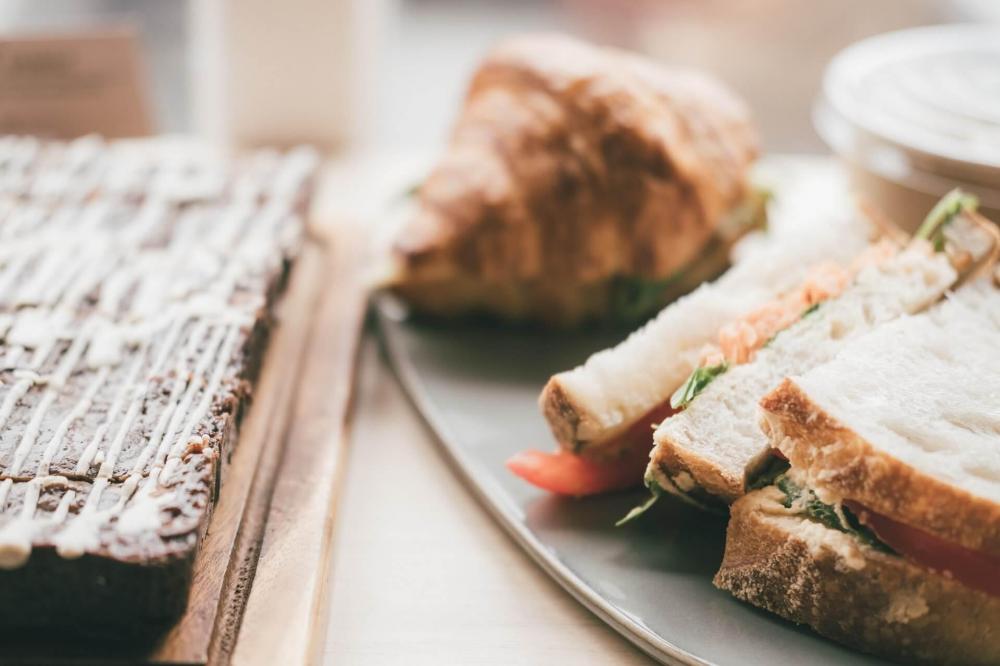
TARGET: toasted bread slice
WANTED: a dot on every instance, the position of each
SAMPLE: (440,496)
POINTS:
(850,592)
(907,421)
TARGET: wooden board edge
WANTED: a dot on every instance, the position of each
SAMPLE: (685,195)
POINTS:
(285,615)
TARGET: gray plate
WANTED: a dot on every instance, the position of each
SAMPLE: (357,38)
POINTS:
(477,387)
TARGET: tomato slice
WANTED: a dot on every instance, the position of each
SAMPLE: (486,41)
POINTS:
(972,568)
(565,473)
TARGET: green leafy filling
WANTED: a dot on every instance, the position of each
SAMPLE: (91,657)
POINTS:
(769,475)
(812,507)
(655,492)
(946,210)
(810,310)
(696,383)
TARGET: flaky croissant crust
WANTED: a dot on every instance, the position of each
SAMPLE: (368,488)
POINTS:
(576,163)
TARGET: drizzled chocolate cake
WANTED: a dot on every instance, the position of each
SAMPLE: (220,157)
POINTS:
(136,285)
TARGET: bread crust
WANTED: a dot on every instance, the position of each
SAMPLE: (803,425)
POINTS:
(570,420)
(674,462)
(841,464)
(578,429)
(851,593)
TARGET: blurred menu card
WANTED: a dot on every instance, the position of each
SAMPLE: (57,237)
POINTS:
(67,85)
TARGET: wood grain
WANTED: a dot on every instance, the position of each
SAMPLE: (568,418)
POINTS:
(286,613)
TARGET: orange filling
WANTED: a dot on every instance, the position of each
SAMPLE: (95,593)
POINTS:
(740,340)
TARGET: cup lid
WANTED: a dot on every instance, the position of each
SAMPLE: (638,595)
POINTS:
(927,97)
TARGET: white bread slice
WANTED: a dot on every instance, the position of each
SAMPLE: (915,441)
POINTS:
(715,444)
(854,594)
(907,420)
(591,405)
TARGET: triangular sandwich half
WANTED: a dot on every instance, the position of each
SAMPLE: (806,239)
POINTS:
(885,532)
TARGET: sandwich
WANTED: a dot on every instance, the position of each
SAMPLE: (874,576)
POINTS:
(580,183)
(601,412)
(879,522)
(712,448)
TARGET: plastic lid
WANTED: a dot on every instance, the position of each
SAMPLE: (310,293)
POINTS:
(920,105)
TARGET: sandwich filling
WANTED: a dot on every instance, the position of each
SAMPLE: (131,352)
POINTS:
(739,341)
(972,568)
(802,501)
(573,475)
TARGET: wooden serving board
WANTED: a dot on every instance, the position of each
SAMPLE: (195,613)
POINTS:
(258,594)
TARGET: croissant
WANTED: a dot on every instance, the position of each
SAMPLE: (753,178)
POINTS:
(576,180)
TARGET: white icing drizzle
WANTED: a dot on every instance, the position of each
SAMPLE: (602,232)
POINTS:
(69,361)
(16,536)
(24,384)
(77,412)
(166,416)
(228,346)
(117,261)
(128,386)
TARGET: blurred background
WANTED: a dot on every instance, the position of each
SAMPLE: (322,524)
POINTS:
(387,75)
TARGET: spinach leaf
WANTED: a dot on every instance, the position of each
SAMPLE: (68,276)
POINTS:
(655,492)
(775,467)
(825,514)
(696,383)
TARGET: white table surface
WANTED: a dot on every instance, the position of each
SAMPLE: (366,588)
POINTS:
(421,573)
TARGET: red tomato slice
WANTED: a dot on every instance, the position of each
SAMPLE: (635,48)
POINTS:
(565,473)
(972,568)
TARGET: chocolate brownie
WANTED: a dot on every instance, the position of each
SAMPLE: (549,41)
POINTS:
(137,285)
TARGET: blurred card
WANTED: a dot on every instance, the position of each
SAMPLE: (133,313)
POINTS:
(68,85)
